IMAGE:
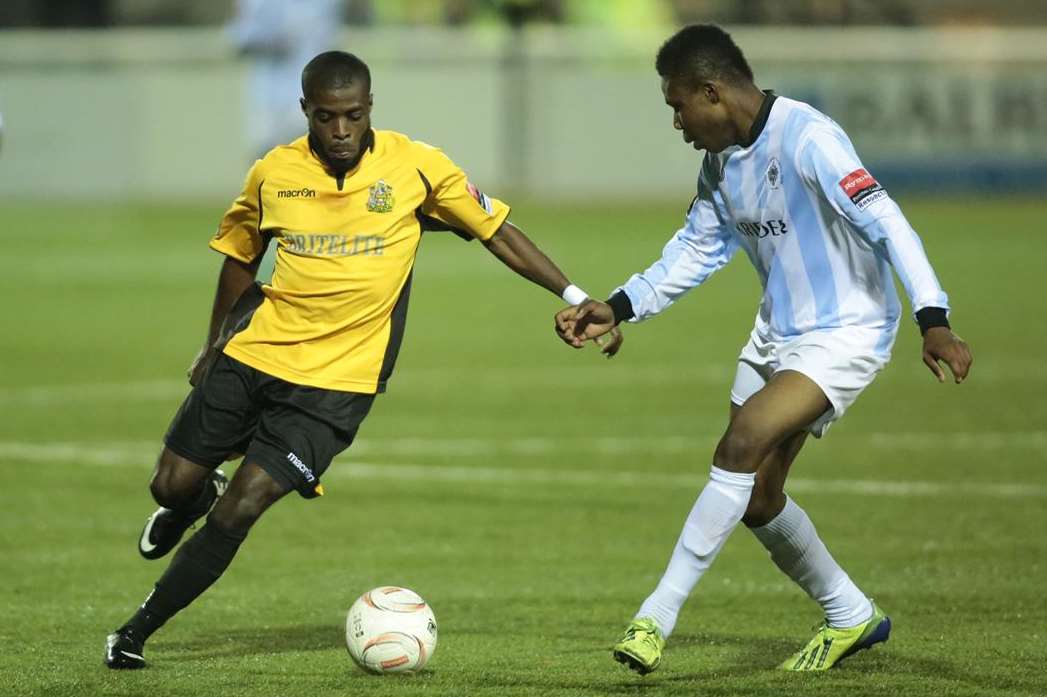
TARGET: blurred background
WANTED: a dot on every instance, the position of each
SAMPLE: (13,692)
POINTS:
(162,99)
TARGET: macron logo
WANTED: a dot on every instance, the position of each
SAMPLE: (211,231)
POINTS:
(296,193)
(300,466)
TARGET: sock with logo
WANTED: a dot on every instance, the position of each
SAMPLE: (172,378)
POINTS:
(798,551)
(715,514)
(197,564)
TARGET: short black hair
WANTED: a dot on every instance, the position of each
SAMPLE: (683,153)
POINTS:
(702,52)
(333,69)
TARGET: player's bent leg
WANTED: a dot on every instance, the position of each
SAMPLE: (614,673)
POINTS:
(852,622)
(186,491)
(198,563)
(785,406)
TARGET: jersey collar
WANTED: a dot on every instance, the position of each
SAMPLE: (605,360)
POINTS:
(341,172)
(761,118)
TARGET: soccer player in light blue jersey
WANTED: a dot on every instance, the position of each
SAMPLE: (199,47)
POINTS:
(780,182)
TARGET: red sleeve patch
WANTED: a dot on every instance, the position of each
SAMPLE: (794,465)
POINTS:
(862,188)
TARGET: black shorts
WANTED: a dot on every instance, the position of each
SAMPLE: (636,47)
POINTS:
(292,431)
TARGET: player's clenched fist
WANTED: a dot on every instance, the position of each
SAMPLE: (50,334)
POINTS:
(940,344)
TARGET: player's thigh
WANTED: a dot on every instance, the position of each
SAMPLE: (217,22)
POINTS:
(786,405)
(301,430)
(218,417)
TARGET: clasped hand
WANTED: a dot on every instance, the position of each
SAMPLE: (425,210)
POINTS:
(590,321)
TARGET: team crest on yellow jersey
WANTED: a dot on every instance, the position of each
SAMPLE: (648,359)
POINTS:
(381,198)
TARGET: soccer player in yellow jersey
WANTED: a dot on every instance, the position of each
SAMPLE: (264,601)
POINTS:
(290,369)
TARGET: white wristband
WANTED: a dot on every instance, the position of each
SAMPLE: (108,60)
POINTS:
(573,295)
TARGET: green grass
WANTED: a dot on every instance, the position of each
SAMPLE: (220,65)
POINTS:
(531,493)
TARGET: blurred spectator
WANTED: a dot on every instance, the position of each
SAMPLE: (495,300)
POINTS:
(279,37)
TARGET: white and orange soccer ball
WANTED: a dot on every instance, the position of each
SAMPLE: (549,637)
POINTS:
(390,630)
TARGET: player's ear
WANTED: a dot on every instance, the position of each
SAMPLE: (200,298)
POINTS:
(711,92)
(370,100)
(302,103)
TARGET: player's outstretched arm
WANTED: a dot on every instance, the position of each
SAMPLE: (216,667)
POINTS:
(940,345)
(234,278)
(514,249)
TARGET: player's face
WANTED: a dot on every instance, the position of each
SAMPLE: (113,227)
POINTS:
(339,118)
(699,113)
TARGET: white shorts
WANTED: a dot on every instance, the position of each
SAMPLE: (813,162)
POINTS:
(841,361)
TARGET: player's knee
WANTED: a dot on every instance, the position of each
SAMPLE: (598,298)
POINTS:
(165,489)
(160,490)
(740,450)
(245,502)
(176,481)
(235,513)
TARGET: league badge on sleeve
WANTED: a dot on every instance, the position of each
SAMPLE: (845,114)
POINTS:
(480,197)
(862,189)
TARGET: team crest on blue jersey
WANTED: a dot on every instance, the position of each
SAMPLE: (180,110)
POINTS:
(381,198)
(774,173)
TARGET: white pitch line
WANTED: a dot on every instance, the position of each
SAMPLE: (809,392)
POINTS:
(581,377)
(140,454)
(698,445)
(475,475)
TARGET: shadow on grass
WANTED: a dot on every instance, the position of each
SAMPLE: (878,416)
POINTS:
(732,660)
(984,676)
(252,641)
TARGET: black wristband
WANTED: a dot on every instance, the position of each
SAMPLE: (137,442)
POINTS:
(931,317)
(621,306)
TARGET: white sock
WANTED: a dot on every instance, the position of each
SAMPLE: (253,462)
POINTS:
(719,507)
(798,551)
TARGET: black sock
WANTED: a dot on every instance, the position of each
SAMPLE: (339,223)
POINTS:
(198,563)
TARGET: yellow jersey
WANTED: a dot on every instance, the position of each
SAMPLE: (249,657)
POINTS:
(334,313)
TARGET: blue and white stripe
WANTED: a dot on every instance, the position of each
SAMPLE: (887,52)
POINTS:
(824,262)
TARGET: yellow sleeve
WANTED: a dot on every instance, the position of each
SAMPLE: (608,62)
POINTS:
(455,201)
(239,234)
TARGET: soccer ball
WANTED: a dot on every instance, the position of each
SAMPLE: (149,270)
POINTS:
(390,630)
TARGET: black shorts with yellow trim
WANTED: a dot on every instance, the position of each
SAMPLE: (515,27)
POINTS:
(292,431)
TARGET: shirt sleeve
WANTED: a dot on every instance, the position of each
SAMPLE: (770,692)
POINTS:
(697,250)
(454,200)
(239,233)
(829,164)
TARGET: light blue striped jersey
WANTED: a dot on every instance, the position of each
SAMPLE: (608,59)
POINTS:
(820,231)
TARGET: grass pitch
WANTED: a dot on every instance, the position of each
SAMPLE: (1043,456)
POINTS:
(531,493)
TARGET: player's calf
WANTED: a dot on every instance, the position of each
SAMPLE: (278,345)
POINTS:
(164,528)
(763,506)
